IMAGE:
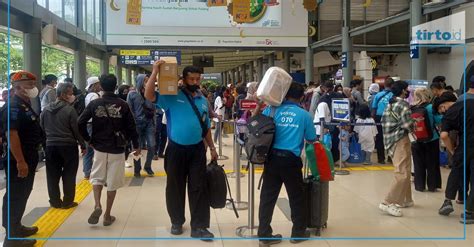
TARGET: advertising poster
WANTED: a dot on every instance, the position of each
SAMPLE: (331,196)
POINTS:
(228,23)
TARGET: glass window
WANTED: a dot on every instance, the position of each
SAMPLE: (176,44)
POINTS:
(41,2)
(90,16)
(56,7)
(98,20)
(70,11)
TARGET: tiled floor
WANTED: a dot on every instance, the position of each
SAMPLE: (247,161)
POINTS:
(141,213)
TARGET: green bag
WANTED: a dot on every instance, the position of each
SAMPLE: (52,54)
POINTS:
(311,157)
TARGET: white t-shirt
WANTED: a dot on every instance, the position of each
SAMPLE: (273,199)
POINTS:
(90,97)
(219,108)
(367,134)
(321,112)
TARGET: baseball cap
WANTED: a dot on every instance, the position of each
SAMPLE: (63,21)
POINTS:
(91,81)
(445,97)
(22,76)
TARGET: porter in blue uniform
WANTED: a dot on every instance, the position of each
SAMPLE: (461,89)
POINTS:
(293,126)
(185,156)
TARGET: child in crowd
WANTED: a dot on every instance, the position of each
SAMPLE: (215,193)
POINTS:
(366,133)
(344,136)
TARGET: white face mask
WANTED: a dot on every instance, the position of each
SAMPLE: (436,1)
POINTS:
(31,93)
(71,99)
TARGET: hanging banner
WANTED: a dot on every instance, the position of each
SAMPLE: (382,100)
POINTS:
(134,12)
(241,11)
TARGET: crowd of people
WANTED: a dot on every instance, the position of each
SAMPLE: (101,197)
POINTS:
(108,123)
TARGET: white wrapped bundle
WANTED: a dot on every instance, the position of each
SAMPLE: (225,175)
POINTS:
(274,86)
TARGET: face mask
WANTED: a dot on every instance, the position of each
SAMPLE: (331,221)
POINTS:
(192,88)
(31,93)
(71,99)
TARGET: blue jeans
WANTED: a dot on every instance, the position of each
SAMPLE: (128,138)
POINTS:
(89,156)
(146,137)
(161,135)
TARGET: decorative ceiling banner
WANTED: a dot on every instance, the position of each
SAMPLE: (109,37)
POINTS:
(310,5)
(216,3)
(134,12)
(241,11)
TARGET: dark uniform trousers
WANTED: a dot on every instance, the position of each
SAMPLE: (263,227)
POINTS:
(426,164)
(61,162)
(187,164)
(283,167)
(19,189)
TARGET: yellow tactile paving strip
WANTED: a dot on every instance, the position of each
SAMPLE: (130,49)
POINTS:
(54,218)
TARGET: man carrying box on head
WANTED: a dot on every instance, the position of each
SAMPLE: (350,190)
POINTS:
(188,122)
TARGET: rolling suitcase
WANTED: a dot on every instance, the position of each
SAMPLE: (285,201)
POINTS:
(316,195)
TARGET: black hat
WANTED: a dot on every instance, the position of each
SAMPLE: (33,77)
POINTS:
(445,97)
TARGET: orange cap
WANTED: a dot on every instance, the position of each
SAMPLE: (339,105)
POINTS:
(22,76)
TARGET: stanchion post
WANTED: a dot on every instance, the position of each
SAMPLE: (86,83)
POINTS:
(340,171)
(239,205)
(248,230)
(221,157)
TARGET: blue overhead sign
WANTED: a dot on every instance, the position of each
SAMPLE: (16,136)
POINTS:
(414,50)
(344,59)
(341,110)
(147,57)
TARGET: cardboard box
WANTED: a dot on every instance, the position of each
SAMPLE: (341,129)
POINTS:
(168,76)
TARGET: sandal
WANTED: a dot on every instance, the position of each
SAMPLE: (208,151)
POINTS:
(94,218)
(406,205)
(391,209)
(108,222)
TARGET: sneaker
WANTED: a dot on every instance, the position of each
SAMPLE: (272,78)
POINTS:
(176,229)
(446,208)
(391,209)
(137,175)
(71,205)
(295,239)
(469,218)
(202,233)
(150,172)
(25,231)
(267,241)
(19,243)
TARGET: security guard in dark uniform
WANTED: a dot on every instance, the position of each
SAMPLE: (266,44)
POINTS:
(25,137)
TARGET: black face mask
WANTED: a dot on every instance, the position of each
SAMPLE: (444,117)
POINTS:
(192,88)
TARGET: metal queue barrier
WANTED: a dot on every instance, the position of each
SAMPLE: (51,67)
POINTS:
(341,171)
(239,205)
(248,231)
(221,156)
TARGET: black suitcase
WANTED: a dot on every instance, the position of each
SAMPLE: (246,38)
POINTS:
(316,195)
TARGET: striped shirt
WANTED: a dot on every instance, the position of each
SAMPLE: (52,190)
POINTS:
(396,123)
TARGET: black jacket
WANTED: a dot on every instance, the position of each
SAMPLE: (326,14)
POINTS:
(103,128)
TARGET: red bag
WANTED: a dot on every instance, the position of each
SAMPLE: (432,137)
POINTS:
(319,163)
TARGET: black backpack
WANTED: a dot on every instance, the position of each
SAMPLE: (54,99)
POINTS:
(80,103)
(259,141)
(217,185)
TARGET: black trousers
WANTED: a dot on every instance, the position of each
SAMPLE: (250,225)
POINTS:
(19,189)
(62,162)
(426,164)
(470,198)
(456,176)
(282,170)
(379,141)
(187,164)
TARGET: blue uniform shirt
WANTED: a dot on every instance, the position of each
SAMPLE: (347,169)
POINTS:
(182,124)
(293,126)
(380,101)
(435,120)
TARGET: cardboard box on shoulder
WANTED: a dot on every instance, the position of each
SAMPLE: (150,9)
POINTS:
(168,76)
